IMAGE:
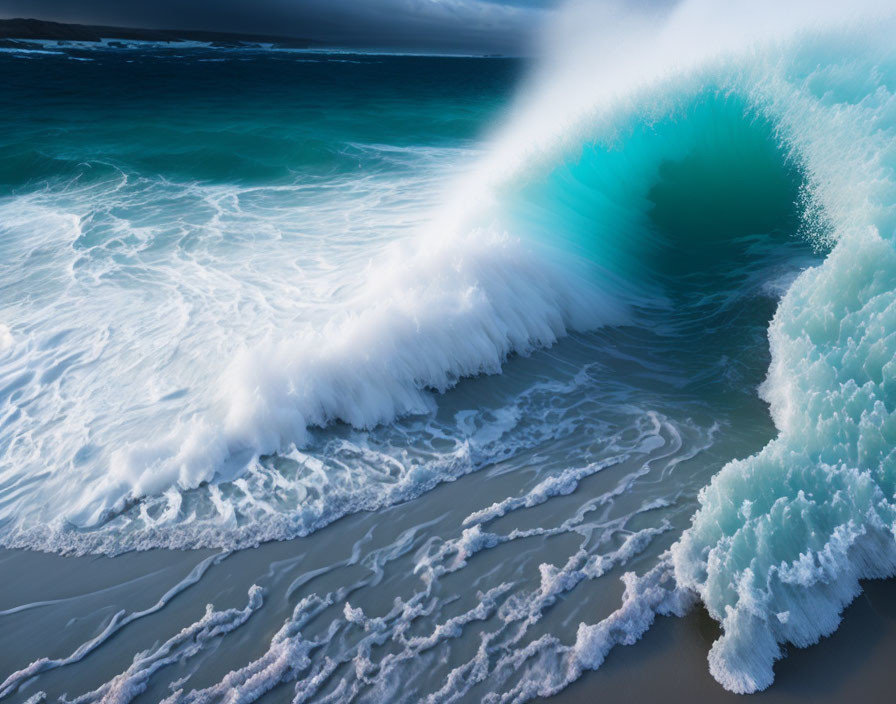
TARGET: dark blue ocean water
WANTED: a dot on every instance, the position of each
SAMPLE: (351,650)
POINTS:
(240,116)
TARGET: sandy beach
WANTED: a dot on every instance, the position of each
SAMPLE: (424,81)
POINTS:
(667,665)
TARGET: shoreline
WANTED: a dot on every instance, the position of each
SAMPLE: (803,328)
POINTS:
(29,29)
(668,664)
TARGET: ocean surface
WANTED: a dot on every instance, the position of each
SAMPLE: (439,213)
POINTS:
(436,378)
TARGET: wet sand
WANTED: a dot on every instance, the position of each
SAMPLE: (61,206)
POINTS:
(668,665)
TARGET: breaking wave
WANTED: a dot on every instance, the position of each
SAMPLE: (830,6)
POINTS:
(667,170)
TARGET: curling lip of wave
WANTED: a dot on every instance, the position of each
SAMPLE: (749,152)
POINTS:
(782,539)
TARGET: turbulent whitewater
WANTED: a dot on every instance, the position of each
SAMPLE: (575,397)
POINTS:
(646,317)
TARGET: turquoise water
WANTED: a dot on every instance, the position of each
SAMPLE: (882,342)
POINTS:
(382,310)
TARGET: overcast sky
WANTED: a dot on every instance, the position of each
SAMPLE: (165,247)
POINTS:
(493,26)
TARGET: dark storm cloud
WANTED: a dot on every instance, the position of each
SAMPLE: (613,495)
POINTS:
(504,26)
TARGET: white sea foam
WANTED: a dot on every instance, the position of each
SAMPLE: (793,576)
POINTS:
(425,314)
(441,313)
(192,639)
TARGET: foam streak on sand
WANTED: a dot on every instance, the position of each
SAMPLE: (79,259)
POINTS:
(118,622)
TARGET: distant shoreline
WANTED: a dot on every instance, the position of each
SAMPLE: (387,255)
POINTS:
(15,32)
(31,29)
